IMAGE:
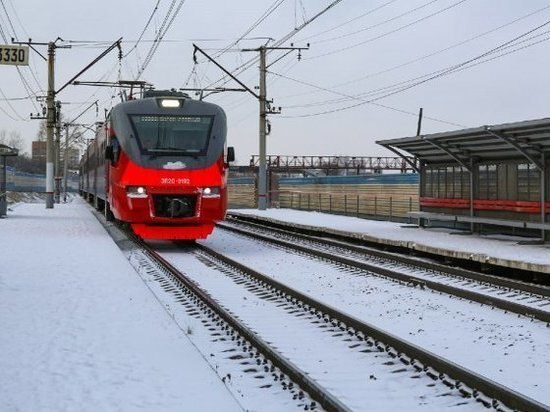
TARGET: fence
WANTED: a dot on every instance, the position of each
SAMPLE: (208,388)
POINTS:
(18,181)
(242,193)
(381,207)
(384,197)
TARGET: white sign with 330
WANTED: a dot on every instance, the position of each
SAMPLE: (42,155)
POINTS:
(14,55)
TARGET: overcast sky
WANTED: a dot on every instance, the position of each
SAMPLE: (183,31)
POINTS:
(353,86)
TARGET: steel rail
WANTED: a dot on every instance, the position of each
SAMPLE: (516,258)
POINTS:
(454,271)
(505,305)
(489,388)
(317,392)
(125,240)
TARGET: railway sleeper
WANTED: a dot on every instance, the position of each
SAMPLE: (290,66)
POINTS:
(431,372)
(404,359)
(451,383)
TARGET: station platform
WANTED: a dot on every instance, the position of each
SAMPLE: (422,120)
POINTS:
(498,250)
(82,331)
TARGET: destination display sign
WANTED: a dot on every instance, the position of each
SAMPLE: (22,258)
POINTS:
(14,55)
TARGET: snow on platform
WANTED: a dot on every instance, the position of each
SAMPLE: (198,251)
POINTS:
(496,250)
(80,329)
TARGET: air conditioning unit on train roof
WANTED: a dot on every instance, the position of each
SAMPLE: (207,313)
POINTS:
(165,93)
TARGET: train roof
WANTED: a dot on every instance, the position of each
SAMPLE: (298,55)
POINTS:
(164,93)
(151,103)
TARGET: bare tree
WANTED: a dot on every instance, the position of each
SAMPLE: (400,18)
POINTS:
(41,135)
(12,139)
(16,141)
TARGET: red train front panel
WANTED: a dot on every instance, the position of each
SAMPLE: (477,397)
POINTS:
(162,204)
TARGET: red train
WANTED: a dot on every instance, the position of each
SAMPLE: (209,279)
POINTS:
(159,164)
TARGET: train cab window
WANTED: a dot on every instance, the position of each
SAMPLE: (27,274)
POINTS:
(188,139)
(172,135)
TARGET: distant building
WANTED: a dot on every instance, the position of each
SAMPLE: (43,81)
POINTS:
(39,151)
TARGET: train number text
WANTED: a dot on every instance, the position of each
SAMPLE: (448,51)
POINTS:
(174,181)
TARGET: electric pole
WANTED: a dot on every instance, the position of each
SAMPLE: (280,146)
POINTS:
(50,114)
(262,169)
(50,120)
(57,169)
(65,162)
(50,106)
(265,109)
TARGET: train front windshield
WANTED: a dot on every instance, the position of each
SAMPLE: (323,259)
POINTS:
(172,135)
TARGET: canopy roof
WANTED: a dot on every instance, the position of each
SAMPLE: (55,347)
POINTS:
(7,151)
(521,140)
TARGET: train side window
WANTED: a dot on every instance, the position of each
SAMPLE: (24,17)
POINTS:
(116,149)
(112,152)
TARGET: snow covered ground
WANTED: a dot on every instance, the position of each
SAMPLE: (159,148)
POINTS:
(82,331)
(362,380)
(481,248)
(511,350)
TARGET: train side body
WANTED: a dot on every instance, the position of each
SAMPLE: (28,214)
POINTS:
(160,169)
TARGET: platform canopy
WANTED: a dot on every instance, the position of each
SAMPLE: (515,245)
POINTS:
(8,151)
(528,140)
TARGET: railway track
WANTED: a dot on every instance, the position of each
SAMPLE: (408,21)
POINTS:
(505,347)
(361,347)
(356,340)
(229,339)
(507,294)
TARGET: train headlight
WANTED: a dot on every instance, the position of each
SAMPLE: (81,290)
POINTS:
(136,191)
(170,103)
(210,192)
